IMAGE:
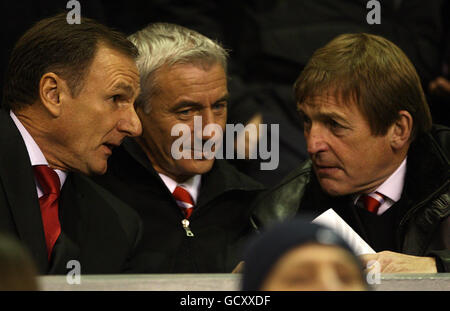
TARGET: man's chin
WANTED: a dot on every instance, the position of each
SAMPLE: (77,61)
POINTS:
(97,169)
(199,167)
(332,188)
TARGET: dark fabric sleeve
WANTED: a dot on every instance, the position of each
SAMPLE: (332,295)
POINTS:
(442,259)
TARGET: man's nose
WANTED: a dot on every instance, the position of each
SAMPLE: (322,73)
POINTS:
(130,124)
(316,139)
(208,123)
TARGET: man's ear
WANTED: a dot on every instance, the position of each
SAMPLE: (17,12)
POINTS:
(401,130)
(51,90)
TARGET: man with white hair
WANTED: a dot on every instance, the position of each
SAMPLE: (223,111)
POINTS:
(195,209)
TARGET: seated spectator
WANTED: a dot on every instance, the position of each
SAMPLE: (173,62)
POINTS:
(300,256)
(68,100)
(376,158)
(195,209)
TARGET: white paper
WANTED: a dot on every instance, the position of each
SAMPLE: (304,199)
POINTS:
(333,221)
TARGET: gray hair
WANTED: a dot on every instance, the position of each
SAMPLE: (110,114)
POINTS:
(164,44)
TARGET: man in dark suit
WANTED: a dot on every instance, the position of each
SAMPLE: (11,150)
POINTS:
(195,208)
(68,100)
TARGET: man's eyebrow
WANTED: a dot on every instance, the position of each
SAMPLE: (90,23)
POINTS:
(332,115)
(186,103)
(323,115)
(224,98)
(193,104)
(121,86)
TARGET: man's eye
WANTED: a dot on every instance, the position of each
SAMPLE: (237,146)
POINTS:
(334,125)
(219,106)
(115,98)
(185,112)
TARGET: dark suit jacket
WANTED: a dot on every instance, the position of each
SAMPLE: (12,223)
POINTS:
(220,220)
(98,230)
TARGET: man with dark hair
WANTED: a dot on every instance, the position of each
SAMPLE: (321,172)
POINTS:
(68,102)
(376,158)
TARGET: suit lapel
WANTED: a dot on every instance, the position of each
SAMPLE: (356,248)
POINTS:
(18,180)
(85,227)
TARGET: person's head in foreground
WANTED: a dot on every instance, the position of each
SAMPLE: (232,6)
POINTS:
(362,105)
(17,270)
(299,256)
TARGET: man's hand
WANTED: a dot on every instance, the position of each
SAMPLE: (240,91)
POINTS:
(239,268)
(391,262)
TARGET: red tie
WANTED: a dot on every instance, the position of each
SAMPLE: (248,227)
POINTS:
(372,201)
(184,201)
(50,184)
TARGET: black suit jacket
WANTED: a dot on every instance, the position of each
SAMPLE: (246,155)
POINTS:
(220,220)
(98,230)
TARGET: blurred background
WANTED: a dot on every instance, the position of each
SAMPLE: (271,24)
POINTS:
(270,41)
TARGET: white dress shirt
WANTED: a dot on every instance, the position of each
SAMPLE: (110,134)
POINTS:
(391,189)
(192,185)
(35,153)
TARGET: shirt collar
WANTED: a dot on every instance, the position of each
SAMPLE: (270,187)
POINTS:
(192,185)
(392,187)
(34,152)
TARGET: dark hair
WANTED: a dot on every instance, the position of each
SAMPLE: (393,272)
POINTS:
(53,45)
(371,71)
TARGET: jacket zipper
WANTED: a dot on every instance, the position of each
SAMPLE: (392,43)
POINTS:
(185,223)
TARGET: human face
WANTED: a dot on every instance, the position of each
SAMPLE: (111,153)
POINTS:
(315,267)
(101,116)
(184,91)
(346,157)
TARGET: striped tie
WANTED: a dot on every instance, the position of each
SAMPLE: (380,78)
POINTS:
(372,201)
(184,201)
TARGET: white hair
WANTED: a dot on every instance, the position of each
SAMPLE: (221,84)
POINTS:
(164,44)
